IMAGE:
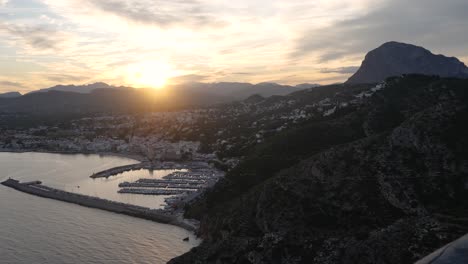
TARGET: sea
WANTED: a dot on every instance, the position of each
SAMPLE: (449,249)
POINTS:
(40,230)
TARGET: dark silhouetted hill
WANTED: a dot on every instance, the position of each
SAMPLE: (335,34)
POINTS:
(381,182)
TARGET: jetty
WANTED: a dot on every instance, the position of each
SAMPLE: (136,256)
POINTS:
(157,215)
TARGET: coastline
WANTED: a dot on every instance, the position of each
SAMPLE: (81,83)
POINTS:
(136,157)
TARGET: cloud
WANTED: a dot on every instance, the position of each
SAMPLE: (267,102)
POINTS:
(160,13)
(293,41)
(3,2)
(38,37)
(65,78)
(341,70)
(242,73)
(435,24)
(11,84)
(189,78)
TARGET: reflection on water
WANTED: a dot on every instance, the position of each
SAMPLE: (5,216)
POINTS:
(38,230)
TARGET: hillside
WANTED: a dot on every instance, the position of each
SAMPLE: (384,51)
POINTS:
(380,181)
(395,59)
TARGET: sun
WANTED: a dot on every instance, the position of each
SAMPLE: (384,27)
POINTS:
(149,74)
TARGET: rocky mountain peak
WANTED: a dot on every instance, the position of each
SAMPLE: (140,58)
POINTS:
(395,58)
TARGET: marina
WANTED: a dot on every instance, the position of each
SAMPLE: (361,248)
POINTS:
(179,183)
(181,187)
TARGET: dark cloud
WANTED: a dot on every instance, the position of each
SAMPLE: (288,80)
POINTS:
(159,12)
(341,70)
(40,37)
(434,24)
(11,84)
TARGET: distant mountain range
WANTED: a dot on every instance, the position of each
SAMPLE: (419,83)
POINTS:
(69,101)
(395,59)
(10,95)
(238,91)
(84,89)
(229,90)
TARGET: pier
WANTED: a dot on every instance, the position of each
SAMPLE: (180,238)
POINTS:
(157,215)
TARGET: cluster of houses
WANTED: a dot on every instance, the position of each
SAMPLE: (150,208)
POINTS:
(152,148)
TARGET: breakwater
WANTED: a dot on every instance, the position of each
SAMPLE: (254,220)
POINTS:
(160,165)
(121,169)
(157,215)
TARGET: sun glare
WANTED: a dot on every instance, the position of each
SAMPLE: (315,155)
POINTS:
(149,74)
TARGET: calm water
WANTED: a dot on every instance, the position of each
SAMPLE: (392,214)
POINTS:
(38,230)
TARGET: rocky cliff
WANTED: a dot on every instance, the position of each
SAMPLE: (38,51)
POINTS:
(384,183)
(395,59)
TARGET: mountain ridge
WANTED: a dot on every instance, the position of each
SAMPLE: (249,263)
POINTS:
(83,89)
(236,90)
(10,95)
(240,90)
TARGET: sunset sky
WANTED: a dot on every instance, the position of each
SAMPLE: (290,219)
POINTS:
(154,42)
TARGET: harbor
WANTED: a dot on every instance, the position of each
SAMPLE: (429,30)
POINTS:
(174,183)
(157,215)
